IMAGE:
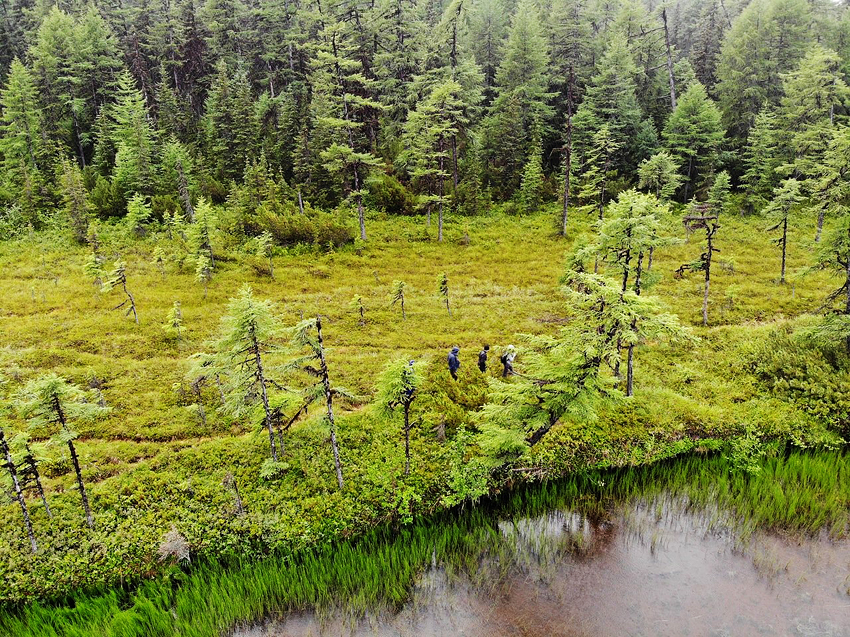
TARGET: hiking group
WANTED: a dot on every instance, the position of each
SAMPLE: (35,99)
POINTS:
(506,359)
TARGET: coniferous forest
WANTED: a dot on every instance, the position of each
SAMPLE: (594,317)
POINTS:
(238,240)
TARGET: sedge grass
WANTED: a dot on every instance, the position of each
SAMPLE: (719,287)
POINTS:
(796,493)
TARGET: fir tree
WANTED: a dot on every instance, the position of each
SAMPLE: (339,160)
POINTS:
(173,326)
(660,175)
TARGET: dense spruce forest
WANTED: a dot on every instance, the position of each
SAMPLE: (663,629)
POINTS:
(238,239)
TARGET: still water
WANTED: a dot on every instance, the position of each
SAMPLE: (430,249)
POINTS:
(648,569)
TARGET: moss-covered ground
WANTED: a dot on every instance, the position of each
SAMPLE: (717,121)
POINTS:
(155,464)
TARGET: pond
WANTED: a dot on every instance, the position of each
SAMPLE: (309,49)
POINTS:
(645,568)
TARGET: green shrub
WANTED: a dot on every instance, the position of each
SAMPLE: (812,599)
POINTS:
(388,194)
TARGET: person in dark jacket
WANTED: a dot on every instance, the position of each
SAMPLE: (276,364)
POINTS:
(454,363)
(482,358)
(508,361)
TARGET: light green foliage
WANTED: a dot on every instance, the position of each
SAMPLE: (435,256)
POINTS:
(138,216)
(443,290)
(761,159)
(752,59)
(52,401)
(531,188)
(660,175)
(397,383)
(397,296)
(718,194)
(173,325)
(693,135)
(132,136)
(599,169)
(468,475)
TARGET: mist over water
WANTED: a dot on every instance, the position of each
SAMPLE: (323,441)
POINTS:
(646,570)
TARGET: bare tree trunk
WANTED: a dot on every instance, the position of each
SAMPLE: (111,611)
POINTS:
(300,202)
(568,153)
(33,469)
(261,378)
(76,462)
(132,300)
(820,225)
(847,304)
(407,438)
(440,209)
(784,248)
(183,186)
(19,495)
(360,214)
(669,61)
(60,413)
(326,384)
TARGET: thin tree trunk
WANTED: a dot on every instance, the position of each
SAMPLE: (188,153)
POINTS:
(847,304)
(19,494)
(360,214)
(33,468)
(669,61)
(440,209)
(76,462)
(258,362)
(784,248)
(820,225)
(184,193)
(326,384)
(300,202)
(407,438)
(133,301)
(57,407)
(568,152)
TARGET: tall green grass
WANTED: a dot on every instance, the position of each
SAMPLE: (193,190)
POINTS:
(798,493)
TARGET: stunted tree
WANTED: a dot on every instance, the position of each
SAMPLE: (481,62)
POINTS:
(443,290)
(397,389)
(561,380)
(118,278)
(12,468)
(718,194)
(307,337)
(703,264)
(173,326)
(53,402)
(356,304)
(203,271)
(397,296)
(265,250)
(247,336)
(777,212)
(599,169)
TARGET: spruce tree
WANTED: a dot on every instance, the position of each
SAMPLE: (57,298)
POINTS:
(693,135)
(660,175)
(531,188)
(761,158)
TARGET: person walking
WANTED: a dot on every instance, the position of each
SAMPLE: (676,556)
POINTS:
(482,359)
(508,361)
(454,362)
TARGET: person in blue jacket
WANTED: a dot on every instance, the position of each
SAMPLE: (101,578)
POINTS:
(454,363)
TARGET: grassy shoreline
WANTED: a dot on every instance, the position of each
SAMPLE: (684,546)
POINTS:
(796,492)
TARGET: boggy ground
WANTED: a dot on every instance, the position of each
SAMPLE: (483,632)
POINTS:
(154,464)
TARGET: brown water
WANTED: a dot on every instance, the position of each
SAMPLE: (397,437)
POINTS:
(646,571)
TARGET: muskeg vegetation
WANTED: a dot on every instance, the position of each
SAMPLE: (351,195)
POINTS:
(238,242)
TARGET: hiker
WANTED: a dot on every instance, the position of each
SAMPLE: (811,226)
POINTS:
(454,363)
(482,359)
(508,361)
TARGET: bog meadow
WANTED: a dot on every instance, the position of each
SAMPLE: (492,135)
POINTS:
(239,240)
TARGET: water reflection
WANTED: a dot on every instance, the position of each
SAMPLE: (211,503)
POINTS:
(647,569)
